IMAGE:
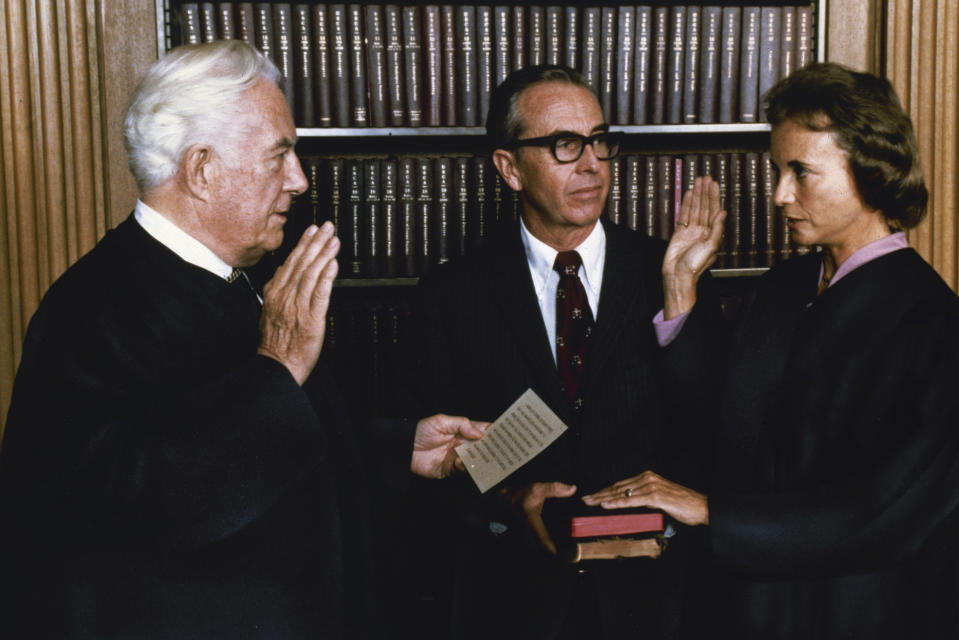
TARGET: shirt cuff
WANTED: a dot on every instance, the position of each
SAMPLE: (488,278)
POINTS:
(667,330)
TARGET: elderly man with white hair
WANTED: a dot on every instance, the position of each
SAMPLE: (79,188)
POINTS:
(176,463)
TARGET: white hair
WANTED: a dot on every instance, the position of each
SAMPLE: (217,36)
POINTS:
(192,95)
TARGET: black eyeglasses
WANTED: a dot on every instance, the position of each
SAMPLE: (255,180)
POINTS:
(568,147)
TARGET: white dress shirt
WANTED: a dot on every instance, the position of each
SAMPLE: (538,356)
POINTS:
(540,257)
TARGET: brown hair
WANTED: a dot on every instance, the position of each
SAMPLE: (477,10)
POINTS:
(863,112)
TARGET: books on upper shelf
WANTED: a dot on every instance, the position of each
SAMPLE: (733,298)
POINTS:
(395,65)
(400,216)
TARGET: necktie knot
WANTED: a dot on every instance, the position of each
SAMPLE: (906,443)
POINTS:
(567,263)
(236,273)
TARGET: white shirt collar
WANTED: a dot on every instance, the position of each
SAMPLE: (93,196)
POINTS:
(541,257)
(164,231)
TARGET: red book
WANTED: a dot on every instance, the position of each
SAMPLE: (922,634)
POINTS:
(616,524)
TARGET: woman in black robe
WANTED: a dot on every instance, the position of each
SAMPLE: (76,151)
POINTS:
(833,511)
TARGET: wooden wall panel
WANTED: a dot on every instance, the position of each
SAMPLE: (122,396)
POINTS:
(67,68)
(922,49)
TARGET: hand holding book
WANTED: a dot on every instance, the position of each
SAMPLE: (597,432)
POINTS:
(656,492)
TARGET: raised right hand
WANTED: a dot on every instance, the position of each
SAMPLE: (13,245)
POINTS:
(295,302)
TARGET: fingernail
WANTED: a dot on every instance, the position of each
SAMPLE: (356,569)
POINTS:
(310,230)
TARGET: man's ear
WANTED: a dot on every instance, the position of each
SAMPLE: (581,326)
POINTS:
(505,163)
(198,171)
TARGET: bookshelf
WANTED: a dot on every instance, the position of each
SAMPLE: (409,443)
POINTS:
(395,231)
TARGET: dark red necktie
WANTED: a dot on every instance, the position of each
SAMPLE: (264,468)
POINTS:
(574,326)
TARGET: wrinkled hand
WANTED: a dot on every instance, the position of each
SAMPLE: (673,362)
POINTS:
(529,502)
(295,302)
(694,245)
(434,454)
(651,490)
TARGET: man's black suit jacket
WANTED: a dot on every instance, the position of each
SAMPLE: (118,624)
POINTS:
(481,342)
(161,480)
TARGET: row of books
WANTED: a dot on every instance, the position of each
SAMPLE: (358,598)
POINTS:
(353,65)
(399,217)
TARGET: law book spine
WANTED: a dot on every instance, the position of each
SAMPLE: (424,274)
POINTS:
(675,64)
(190,30)
(536,54)
(592,34)
(735,212)
(322,78)
(632,187)
(395,78)
(460,220)
(641,62)
(503,28)
(305,111)
(614,201)
(340,76)
(678,178)
(335,194)
(650,217)
(244,23)
(263,29)
(406,216)
(729,65)
(467,89)
(225,22)
(376,63)
(753,201)
(572,37)
(373,205)
(497,189)
(356,214)
(283,49)
(769,54)
(607,60)
(313,168)
(771,225)
(442,210)
(450,69)
(690,171)
(691,79)
(360,115)
(718,167)
(624,66)
(749,65)
(208,22)
(804,36)
(424,215)
(520,41)
(664,195)
(480,203)
(787,42)
(709,55)
(388,215)
(433,66)
(412,55)
(485,65)
(555,53)
(660,54)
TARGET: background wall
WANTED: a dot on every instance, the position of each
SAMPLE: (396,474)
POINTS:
(67,68)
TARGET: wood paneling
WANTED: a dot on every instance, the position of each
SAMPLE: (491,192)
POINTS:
(922,50)
(67,68)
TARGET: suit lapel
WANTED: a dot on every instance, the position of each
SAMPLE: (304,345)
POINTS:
(520,309)
(623,289)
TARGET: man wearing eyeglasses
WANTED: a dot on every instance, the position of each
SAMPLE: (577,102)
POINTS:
(493,325)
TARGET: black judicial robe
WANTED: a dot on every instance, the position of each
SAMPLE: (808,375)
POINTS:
(835,511)
(160,480)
